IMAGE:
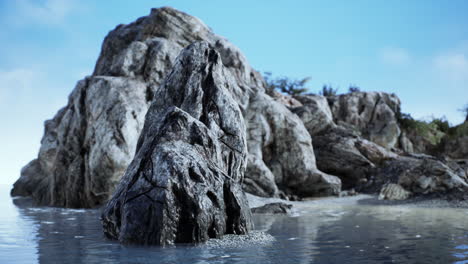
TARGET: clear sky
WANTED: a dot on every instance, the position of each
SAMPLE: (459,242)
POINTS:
(417,49)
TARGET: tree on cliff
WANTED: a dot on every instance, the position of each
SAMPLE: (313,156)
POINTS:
(328,90)
(286,85)
(464,110)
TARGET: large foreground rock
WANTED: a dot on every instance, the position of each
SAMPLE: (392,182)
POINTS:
(184,184)
(89,143)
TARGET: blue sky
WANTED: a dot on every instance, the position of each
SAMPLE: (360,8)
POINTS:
(417,49)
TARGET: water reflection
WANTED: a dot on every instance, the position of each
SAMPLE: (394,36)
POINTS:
(320,233)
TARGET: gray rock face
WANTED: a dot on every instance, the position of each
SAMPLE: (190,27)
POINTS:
(277,137)
(341,152)
(405,143)
(315,113)
(273,208)
(418,174)
(89,143)
(370,113)
(184,184)
(456,148)
(87,146)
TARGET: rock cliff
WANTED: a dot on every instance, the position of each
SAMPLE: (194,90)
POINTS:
(358,138)
(87,146)
(184,184)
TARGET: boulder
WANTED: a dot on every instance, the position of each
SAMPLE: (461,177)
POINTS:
(273,208)
(89,143)
(419,174)
(456,148)
(184,184)
(278,138)
(405,143)
(393,191)
(315,113)
(372,114)
(341,152)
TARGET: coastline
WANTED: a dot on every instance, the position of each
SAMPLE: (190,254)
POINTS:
(362,200)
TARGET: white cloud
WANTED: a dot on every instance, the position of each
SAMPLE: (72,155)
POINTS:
(395,56)
(452,66)
(50,12)
(16,83)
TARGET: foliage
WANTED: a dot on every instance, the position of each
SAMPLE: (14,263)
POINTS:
(328,90)
(286,85)
(464,110)
(458,131)
(433,131)
(442,124)
(354,88)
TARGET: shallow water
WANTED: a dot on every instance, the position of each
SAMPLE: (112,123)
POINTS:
(318,232)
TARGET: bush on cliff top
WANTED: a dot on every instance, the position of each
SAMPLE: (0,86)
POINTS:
(433,130)
(286,85)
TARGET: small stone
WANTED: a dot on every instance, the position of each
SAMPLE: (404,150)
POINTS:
(393,192)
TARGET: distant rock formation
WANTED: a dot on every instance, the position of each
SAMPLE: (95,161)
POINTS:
(373,114)
(184,184)
(377,164)
(273,208)
(358,138)
(88,145)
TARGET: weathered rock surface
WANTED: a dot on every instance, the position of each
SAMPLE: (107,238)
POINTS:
(456,148)
(273,208)
(393,191)
(87,146)
(372,114)
(89,143)
(184,184)
(341,152)
(315,113)
(278,138)
(418,174)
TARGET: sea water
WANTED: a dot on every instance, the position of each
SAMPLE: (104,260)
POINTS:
(316,232)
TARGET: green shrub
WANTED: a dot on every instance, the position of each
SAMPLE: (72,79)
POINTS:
(354,89)
(442,124)
(286,85)
(328,90)
(464,111)
(433,131)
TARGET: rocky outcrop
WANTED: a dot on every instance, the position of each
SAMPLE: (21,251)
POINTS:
(273,208)
(315,113)
(456,148)
(184,184)
(364,165)
(372,114)
(278,138)
(341,152)
(454,144)
(89,143)
(419,174)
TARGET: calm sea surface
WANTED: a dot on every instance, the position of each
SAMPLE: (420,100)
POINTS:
(316,233)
